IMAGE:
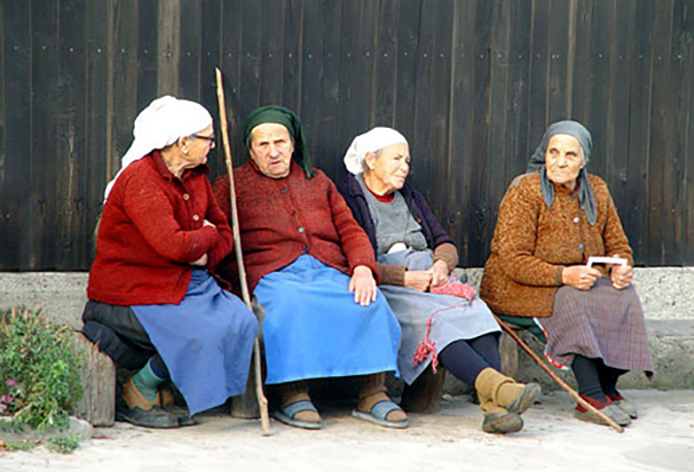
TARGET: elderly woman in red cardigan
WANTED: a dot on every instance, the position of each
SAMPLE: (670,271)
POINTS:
(153,305)
(311,267)
(551,221)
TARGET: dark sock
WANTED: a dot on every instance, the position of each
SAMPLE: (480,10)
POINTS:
(487,346)
(609,377)
(461,360)
(158,367)
(586,373)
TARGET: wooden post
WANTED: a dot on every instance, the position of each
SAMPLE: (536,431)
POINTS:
(424,395)
(98,402)
(508,350)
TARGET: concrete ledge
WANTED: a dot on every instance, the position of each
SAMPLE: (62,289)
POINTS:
(667,295)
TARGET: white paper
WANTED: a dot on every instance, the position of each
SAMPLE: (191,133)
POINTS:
(606,260)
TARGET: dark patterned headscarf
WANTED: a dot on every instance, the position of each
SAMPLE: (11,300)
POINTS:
(288,119)
(537,161)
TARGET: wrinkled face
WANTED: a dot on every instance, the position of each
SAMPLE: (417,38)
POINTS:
(198,146)
(391,167)
(271,149)
(564,160)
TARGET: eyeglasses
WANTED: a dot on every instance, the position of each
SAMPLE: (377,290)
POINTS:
(211,139)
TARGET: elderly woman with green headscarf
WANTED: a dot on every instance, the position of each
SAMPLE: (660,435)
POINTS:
(552,221)
(311,267)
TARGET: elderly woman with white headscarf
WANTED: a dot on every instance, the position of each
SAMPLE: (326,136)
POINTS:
(153,306)
(552,220)
(415,257)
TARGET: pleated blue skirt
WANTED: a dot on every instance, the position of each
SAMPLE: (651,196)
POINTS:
(206,341)
(314,329)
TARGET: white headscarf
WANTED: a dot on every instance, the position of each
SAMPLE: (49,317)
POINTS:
(162,123)
(372,141)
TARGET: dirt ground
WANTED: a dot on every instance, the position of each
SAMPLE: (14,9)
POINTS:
(661,440)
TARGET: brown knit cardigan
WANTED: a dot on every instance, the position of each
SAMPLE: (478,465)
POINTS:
(533,244)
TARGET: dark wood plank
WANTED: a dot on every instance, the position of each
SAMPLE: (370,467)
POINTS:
(598,91)
(462,134)
(635,219)
(124,107)
(70,158)
(385,74)
(561,43)
(97,145)
(432,103)
(231,70)
(147,52)
(539,33)
(211,57)
(688,206)
(357,49)
(17,251)
(518,102)
(662,132)
(582,77)
(272,62)
(478,224)
(676,122)
(169,47)
(46,168)
(499,97)
(619,107)
(293,41)
(409,19)
(328,149)
(311,64)
(190,50)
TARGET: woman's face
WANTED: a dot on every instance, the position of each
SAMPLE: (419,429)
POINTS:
(564,160)
(391,167)
(199,146)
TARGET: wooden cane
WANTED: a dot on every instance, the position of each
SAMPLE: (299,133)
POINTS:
(262,401)
(556,378)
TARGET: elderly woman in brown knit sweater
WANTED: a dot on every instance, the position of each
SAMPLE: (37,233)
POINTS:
(551,220)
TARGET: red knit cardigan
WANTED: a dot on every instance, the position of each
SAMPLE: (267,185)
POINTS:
(151,230)
(281,219)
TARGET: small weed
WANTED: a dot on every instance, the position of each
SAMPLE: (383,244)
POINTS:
(19,446)
(65,445)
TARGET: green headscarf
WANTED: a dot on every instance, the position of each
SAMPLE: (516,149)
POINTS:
(288,119)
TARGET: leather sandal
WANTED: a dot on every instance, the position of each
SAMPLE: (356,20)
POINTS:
(287,415)
(379,413)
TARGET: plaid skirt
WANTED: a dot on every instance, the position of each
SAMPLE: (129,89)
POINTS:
(603,323)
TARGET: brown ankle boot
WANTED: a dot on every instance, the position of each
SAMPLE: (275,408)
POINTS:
(505,392)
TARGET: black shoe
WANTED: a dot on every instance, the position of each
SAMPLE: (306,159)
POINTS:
(155,417)
(502,423)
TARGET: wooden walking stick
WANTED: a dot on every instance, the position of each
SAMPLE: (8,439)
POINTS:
(556,378)
(262,401)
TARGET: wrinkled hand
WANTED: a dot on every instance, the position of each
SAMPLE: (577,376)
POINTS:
(202,262)
(363,285)
(439,274)
(621,276)
(580,277)
(418,279)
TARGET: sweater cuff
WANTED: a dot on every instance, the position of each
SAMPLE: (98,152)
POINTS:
(558,276)
(391,274)
(447,253)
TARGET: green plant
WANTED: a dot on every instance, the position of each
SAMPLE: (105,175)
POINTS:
(19,446)
(64,445)
(39,370)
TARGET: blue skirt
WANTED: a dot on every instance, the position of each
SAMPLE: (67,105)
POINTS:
(314,329)
(206,341)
